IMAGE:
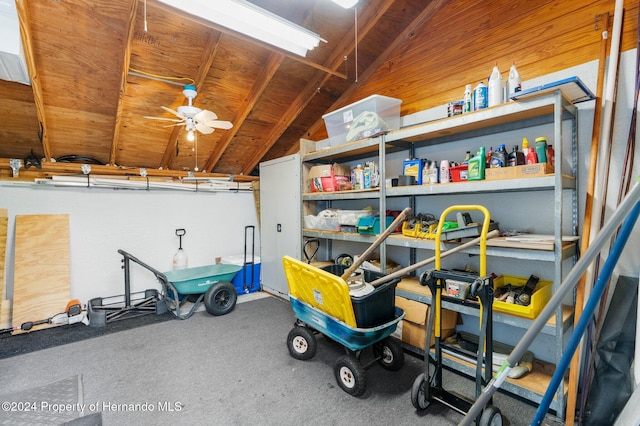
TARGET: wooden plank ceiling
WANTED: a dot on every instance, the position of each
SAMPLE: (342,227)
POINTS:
(89,96)
(97,73)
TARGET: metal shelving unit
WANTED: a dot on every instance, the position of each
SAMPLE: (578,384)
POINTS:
(552,109)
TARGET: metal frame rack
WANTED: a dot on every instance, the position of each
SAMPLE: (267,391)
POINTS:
(550,109)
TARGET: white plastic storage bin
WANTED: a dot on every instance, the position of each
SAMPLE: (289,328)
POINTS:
(363,119)
(248,276)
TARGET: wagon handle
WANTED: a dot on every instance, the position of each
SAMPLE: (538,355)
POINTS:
(397,221)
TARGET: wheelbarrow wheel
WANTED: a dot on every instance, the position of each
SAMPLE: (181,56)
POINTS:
(419,393)
(389,353)
(491,416)
(301,343)
(221,298)
(350,375)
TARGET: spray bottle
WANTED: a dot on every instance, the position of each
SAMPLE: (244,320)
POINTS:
(180,258)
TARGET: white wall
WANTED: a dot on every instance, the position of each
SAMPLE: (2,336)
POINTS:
(143,223)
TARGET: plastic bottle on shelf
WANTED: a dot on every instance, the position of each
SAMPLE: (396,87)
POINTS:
(477,165)
(445,176)
(480,97)
(551,155)
(366,177)
(496,87)
(499,158)
(514,83)
(488,157)
(541,149)
(467,105)
(359,177)
(516,157)
(433,172)
(531,157)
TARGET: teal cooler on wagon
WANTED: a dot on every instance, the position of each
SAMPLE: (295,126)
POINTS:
(248,276)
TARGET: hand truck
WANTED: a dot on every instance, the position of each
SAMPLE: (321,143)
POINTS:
(428,386)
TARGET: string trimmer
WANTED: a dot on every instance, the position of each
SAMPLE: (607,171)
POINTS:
(71,315)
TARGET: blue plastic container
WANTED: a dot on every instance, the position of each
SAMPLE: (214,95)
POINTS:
(248,276)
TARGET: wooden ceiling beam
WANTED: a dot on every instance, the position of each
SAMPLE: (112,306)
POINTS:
(206,59)
(262,81)
(50,168)
(430,9)
(36,86)
(347,45)
(123,82)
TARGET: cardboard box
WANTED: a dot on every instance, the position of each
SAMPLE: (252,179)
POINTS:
(330,178)
(518,172)
(413,328)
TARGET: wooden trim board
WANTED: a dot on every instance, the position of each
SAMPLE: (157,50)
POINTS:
(4,222)
(42,268)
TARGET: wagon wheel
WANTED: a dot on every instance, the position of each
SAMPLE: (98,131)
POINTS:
(389,353)
(221,298)
(350,375)
(301,343)
(419,392)
(491,416)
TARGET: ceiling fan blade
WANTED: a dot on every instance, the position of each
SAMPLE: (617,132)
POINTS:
(174,125)
(219,124)
(204,116)
(176,113)
(163,118)
(204,129)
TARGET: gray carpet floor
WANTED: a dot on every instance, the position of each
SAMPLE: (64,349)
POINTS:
(228,370)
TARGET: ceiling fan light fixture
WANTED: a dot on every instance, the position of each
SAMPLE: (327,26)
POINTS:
(345,3)
(253,21)
(191,136)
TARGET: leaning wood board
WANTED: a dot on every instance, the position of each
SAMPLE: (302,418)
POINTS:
(4,220)
(42,268)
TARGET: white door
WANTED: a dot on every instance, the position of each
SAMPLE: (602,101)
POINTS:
(281,230)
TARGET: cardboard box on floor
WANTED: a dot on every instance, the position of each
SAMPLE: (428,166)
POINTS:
(413,328)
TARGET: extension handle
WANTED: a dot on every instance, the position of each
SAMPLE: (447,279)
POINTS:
(398,220)
(425,262)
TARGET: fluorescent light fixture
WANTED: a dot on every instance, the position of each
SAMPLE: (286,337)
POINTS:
(13,63)
(346,3)
(253,21)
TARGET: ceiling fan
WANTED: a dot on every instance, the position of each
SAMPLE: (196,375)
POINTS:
(194,118)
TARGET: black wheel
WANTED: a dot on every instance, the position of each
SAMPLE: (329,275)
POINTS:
(350,375)
(221,298)
(390,353)
(491,416)
(419,393)
(301,343)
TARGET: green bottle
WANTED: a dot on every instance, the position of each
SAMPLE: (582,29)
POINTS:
(477,164)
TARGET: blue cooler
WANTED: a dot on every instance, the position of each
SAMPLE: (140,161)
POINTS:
(248,276)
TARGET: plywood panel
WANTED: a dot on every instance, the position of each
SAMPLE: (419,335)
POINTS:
(41,270)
